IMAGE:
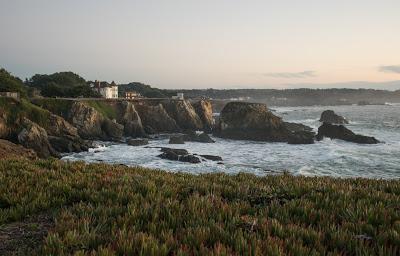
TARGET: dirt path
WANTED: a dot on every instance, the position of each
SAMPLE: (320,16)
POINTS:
(24,237)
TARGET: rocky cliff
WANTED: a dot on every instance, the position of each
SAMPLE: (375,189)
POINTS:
(35,137)
(204,110)
(54,126)
(38,129)
(184,114)
(130,119)
(92,124)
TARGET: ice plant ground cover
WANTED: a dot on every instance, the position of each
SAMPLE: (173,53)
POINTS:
(51,207)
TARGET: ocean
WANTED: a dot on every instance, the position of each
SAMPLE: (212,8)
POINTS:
(333,158)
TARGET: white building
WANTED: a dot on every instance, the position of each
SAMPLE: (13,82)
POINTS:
(108,91)
(179,96)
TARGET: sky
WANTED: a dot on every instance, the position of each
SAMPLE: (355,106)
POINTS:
(205,43)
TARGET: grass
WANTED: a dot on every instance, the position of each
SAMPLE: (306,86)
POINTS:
(22,108)
(115,210)
(59,107)
(103,108)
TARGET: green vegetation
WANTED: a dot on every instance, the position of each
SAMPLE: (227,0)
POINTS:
(115,210)
(10,83)
(15,109)
(145,90)
(60,107)
(62,84)
(103,108)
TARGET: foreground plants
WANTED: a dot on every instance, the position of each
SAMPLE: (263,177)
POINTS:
(111,209)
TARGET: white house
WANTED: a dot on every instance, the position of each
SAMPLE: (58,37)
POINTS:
(179,96)
(108,91)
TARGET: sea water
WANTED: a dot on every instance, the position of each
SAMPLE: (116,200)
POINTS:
(334,158)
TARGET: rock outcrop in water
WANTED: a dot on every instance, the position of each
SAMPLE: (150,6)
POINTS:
(253,121)
(329,116)
(342,133)
(179,155)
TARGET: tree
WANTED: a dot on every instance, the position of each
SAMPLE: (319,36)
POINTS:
(62,84)
(10,83)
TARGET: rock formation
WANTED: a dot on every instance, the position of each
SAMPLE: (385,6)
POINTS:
(195,137)
(176,140)
(342,133)
(212,157)
(35,137)
(87,120)
(183,113)
(204,110)
(329,116)
(251,121)
(93,125)
(179,155)
(138,142)
(130,119)
(156,118)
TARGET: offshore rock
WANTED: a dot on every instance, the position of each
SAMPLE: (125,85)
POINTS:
(342,133)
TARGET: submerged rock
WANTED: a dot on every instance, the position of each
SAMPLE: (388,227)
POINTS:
(329,116)
(176,140)
(212,158)
(138,142)
(177,151)
(179,155)
(342,133)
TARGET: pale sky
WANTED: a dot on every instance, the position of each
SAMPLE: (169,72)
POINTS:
(204,43)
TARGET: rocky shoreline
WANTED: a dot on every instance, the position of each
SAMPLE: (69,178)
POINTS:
(54,126)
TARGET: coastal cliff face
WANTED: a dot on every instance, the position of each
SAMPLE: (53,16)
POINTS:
(92,124)
(184,114)
(35,137)
(53,126)
(156,119)
(87,120)
(130,119)
(38,129)
(204,110)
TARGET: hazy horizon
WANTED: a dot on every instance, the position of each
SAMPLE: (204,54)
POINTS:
(207,44)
